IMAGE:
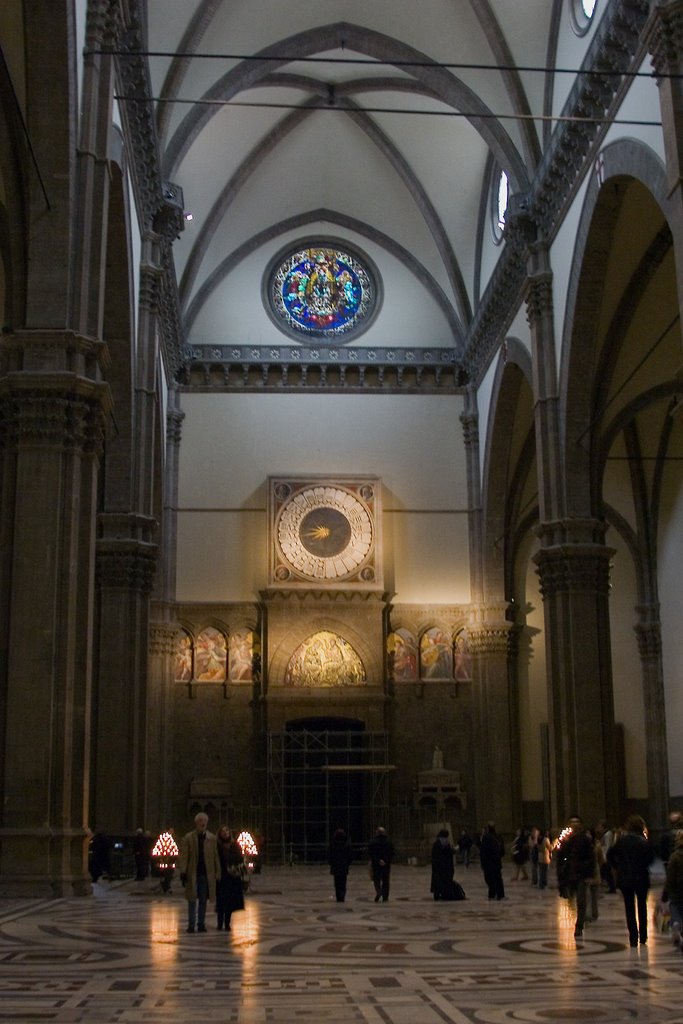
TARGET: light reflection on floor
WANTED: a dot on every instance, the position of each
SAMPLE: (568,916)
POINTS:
(294,954)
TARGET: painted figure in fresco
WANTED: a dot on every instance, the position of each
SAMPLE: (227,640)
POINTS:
(325,659)
(183,659)
(403,655)
(463,659)
(211,656)
(436,659)
(241,656)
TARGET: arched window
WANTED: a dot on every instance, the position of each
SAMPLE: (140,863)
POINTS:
(211,656)
(500,194)
(582,13)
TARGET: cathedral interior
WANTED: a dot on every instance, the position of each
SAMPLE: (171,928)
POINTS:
(340,412)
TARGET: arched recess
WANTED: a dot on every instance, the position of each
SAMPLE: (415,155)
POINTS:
(509,541)
(282,654)
(620,367)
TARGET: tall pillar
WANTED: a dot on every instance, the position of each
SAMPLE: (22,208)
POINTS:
(496,771)
(126,561)
(53,409)
(163,635)
(649,633)
(573,565)
(575,585)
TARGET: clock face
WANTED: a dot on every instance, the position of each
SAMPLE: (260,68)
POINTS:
(324,533)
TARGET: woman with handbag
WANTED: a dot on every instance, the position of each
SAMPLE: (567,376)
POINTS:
(229,889)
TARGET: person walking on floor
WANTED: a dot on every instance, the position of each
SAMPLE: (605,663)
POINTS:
(631,857)
(491,851)
(339,858)
(229,889)
(575,859)
(544,857)
(381,853)
(199,868)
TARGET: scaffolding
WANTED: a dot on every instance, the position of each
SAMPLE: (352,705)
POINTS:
(319,781)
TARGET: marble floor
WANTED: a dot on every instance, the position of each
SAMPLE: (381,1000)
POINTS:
(295,955)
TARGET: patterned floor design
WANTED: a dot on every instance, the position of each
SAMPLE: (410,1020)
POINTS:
(294,955)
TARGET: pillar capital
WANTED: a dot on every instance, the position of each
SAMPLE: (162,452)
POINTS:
(162,638)
(574,567)
(665,37)
(125,564)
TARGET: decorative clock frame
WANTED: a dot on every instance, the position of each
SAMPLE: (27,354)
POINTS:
(324,533)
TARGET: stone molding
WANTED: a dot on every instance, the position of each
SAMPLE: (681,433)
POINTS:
(322,368)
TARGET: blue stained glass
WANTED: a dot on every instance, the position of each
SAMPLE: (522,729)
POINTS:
(321,291)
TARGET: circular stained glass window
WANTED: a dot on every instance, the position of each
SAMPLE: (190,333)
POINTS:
(321,290)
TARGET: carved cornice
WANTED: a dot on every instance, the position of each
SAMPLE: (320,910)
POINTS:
(324,596)
(665,38)
(568,567)
(323,368)
(125,565)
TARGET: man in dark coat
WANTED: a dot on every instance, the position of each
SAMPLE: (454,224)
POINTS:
(339,858)
(443,867)
(491,851)
(576,865)
(381,853)
(630,858)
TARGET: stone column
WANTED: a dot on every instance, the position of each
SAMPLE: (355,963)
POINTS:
(162,637)
(53,409)
(161,798)
(494,703)
(574,578)
(665,41)
(573,565)
(649,634)
(126,561)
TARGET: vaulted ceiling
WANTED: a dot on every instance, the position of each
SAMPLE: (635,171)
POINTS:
(378,124)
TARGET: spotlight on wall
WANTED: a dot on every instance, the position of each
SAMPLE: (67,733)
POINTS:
(188,216)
